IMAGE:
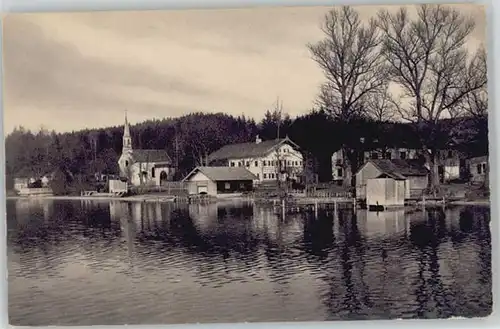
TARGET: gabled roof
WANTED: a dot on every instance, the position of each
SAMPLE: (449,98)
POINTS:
(248,150)
(480,159)
(223,173)
(399,169)
(150,156)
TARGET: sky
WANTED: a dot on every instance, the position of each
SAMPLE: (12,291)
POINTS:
(70,71)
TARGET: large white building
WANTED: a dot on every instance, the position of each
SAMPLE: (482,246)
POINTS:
(143,167)
(267,160)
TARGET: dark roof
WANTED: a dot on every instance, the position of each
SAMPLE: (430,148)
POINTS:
(150,156)
(223,173)
(248,150)
(480,159)
(400,169)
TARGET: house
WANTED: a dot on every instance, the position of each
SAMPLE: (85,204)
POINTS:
(478,169)
(451,165)
(219,180)
(402,153)
(268,160)
(21,183)
(412,172)
(143,166)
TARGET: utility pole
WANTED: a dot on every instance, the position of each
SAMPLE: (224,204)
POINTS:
(176,150)
(278,110)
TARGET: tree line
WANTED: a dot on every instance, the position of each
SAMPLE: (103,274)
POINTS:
(188,139)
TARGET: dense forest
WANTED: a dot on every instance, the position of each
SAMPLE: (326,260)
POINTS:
(189,138)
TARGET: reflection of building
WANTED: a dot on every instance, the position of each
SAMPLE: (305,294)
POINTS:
(386,223)
(219,180)
(143,166)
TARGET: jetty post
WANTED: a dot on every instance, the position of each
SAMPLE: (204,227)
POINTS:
(316,208)
(283,208)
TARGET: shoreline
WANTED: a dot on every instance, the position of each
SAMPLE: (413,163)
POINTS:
(166,198)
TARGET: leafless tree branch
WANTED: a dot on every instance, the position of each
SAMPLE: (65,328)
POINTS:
(350,59)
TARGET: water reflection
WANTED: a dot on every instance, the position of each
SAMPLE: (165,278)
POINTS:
(240,262)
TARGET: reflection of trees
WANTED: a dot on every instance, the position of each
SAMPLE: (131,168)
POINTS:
(483,240)
(431,296)
(318,235)
(352,254)
(49,232)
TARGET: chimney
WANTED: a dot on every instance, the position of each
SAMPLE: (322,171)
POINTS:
(257,139)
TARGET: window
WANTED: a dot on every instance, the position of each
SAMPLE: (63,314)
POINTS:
(232,163)
(126,163)
(289,162)
(484,168)
(265,176)
(227,186)
(258,176)
(272,175)
(339,172)
(248,164)
(387,155)
(402,155)
(153,172)
(479,169)
(450,154)
(374,156)
(242,186)
(256,163)
(239,164)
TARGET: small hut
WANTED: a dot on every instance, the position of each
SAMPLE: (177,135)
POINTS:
(389,181)
(385,192)
(219,180)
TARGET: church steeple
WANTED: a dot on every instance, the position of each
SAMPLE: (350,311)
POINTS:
(127,139)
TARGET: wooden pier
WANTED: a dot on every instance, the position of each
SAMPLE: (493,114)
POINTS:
(301,205)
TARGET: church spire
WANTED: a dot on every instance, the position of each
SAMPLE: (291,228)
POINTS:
(126,131)
(127,139)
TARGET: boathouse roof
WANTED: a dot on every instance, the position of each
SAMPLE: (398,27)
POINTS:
(142,155)
(223,173)
(480,159)
(249,150)
(399,169)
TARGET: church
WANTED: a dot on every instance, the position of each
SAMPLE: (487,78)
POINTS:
(143,166)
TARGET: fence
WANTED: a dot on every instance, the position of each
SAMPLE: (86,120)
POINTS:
(35,191)
(117,186)
(173,188)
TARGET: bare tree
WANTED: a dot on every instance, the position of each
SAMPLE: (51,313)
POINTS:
(354,69)
(428,60)
(380,107)
(475,103)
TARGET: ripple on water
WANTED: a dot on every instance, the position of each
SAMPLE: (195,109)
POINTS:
(151,264)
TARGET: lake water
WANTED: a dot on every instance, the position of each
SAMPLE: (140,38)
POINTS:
(89,263)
